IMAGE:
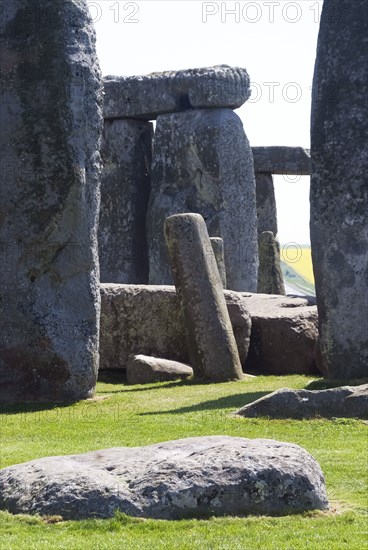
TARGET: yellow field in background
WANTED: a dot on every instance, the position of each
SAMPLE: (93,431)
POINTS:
(300,259)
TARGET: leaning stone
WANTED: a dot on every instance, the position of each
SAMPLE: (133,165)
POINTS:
(187,478)
(210,339)
(155,94)
(218,249)
(284,334)
(51,124)
(347,402)
(292,161)
(339,191)
(266,203)
(270,279)
(212,175)
(125,188)
(142,369)
(147,319)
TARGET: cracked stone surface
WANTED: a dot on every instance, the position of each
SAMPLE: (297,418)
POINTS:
(194,477)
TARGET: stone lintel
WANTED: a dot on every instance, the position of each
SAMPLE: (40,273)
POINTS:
(146,97)
(292,161)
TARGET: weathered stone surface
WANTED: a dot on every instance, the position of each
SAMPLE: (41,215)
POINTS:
(218,249)
(139,319)
(125,188)
(154,94)
(202,163)
(284,334)
(347,401)
(51,123)
(266,203)
(292,161)
(142,369)
(270,279)
(339,191)
(194,477)
(209,334)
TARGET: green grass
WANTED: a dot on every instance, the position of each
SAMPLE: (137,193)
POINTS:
(141,415)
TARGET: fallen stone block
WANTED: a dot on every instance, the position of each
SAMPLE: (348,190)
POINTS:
(347,402)
(194,477)
(142,369)
(146,319)
(146,97)
(292,161)
(284,334)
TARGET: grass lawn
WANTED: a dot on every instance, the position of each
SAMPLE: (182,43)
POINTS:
(141,415)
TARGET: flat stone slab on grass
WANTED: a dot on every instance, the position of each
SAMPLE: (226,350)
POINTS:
(347,402)
(292,161)
(142,369)
(194,477)
(146,97)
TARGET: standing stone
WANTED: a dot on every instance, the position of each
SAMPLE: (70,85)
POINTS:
(202,162)
(266,203)
(210,339)
(270,279)
(125,188)
(218,250)
(51,122)
(339,191)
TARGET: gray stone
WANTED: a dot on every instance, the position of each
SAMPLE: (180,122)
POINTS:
(125,188)
(142,369)
(218,249)
(51,124)
(347,402)
(292,161)
(210,339)
(266,203)
(147,319)
(202,163)
(270,279)
(148,96)
(284,334)
(194,477)
(339,191)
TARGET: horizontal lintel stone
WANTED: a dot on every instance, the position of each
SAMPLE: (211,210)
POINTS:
(291,161)
(146,97)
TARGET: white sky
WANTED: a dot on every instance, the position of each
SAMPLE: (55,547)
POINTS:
(274,40)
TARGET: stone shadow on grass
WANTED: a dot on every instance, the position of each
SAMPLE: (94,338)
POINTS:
(229,402)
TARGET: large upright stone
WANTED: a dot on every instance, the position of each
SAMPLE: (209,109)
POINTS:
(270,279)
(51,122)
(339,190)
(210,338)
(218,249)
(125,189)
(266,203)
(202,162)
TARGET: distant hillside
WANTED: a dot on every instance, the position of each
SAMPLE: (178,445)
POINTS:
(297,269)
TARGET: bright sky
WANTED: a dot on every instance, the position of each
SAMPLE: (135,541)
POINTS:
(274,40)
